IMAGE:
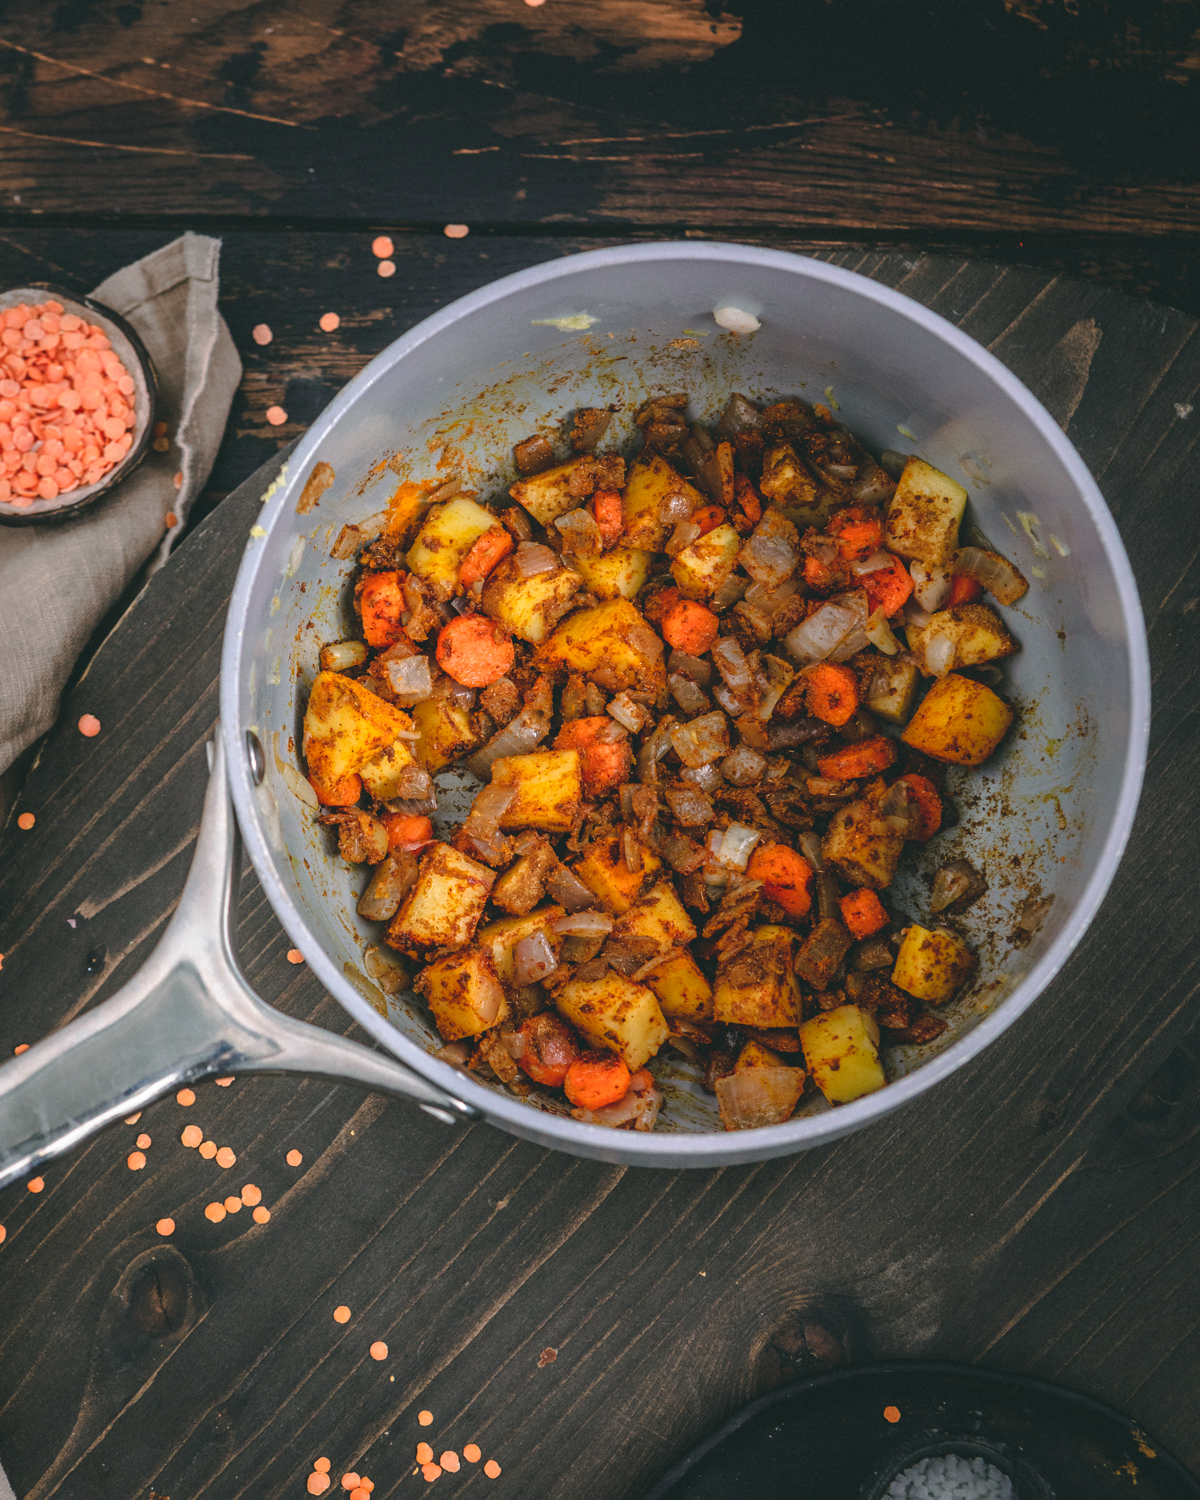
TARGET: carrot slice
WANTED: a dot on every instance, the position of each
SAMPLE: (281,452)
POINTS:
(382,604)
(747,499)
(689,627)
(888,588)
(867,758)
(964,590)
(928,801)
(475,651)
(708,518)
(610,518)
(787,877)
(407,830)
(604,764)
(863,913)
(832,692)
(491,548)
(595,1079)
(344,793)
(820,577)
(550,1049)
(857,531)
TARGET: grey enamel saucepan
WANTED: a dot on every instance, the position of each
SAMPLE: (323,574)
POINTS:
(1047,818)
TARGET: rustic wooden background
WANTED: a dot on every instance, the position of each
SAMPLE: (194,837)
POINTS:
(1039,1212)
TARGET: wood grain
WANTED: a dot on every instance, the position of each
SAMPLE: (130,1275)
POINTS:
(1037,1211)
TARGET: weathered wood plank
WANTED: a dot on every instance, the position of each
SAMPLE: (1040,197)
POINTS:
(1037,1211)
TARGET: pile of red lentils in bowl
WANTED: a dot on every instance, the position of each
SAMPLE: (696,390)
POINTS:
(67,404)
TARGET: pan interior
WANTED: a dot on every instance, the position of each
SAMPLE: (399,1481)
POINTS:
(1034,819)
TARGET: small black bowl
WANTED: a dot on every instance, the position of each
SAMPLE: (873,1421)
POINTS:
(133,355)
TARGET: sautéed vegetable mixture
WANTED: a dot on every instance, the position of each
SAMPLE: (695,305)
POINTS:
(710,695)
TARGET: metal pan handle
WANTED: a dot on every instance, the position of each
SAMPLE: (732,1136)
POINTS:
(188,1013)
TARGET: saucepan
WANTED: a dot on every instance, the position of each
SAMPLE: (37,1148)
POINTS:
(1046,819)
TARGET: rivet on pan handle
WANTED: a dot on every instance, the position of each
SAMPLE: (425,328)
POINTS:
(188,1013)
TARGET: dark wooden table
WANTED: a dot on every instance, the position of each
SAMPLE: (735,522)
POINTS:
(1026,168)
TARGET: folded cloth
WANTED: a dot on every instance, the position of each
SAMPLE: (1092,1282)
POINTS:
(58,582)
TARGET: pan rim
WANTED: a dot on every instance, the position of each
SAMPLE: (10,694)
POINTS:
(714,1148)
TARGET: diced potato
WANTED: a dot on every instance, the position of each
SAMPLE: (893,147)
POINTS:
(786,481)
(448,534)
(931,966)
(893,690)
(649,483)
(384,773)
(757,987)
(755,1055)
(660,916)
(603,871)
(501,938)
(464,993)
(681,988)
(345,726)
(923,517)
(616,574)
(446,903)
(615,1013)
(546,496)
(548,785)
(529,607)
(976,631)
(445,731)
(611,644)
(701,569)
(960,721)
(860,846)
(841,1048)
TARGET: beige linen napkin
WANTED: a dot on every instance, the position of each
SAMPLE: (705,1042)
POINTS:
(57,582)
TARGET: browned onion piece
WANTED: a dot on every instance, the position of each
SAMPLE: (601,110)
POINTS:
(771,600)
(533,558)
(759,1096)
(707,778)
(810,847)
(583,922)
(958,884)
(740,415)
(458,1054)
(702,740)
(533,959)
(729,593)
(1005,584)
(856,638)
(394,877)
(343,655)
(732,664)
(693,667)
(533,454)
(816,638)
(683,536)
(565,887)
(901,809)
(356,534)
(689,806)
(410,680)
(580,534)
(674,507)
(386,968)
(524,733)
(743,766)
(772,550)
(875,953)
(653,749)
(691,699)
(631,850)
(488,808)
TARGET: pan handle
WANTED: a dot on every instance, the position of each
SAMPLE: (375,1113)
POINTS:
(188,1013)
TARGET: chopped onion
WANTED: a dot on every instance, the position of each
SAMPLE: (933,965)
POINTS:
(446,491)
(488,808)
(743,766)
(388,970)
(631,850)
(565,887)
(614,733)
(732,664)
(533,959)
(875,953)
(756,1097)
(694,667)
(296,783)
(810,847)
(411,681)
(394,877)
(533,558)
(674,506)
(342,656)
(879,633)
(873,484)
(901,809)
(627,713)
(583,923)
(893,462)
(771,600)
(524,733)
(816,638)
(689,805)
(729,592)
(772,550)
(931,586)
(737,844)
(1005,584)
(871,564)
(708,778)
(915,616)
(740,415)
(457,1054)
(957,884)
(580,533)
(940,652)
(653,749)
(691,699)
(855,639)
(682,537)
(356,534)
(772,678)
(727,700)
(702,740)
